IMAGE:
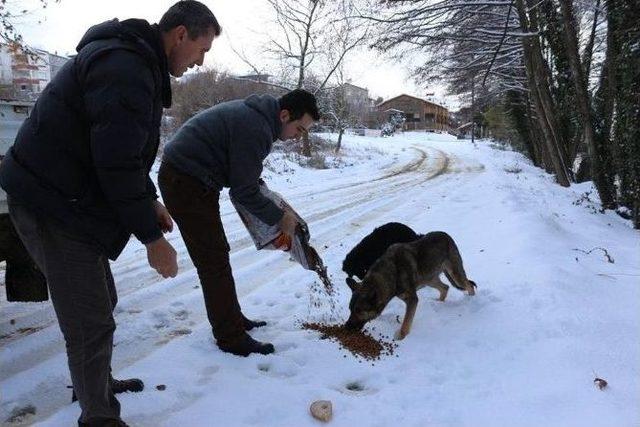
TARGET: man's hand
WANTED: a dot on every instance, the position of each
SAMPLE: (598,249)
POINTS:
(164,219)
(283,242)
(288,224)
(162,257)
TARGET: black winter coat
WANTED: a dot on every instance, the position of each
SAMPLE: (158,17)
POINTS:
(83,156)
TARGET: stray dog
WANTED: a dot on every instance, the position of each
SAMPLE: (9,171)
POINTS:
(371,247)
(400,272)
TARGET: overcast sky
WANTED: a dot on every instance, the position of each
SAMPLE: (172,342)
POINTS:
(63,24)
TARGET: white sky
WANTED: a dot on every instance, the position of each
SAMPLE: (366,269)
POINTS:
(63,24)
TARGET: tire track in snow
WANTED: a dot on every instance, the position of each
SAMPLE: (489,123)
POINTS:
(166,290)
(245,262)
(135,270)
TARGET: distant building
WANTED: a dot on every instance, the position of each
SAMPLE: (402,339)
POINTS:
(262,77)
(356,96)
(258,83)
(419,113)
(56,62)
(23,75)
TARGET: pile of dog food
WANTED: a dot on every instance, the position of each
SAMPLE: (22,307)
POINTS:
(359,343)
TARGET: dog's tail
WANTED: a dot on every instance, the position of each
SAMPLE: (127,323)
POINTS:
(454,270)
(453,282)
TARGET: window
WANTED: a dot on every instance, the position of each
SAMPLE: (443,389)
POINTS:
(413,117)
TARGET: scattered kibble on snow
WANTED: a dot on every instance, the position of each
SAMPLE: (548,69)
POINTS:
(600,383)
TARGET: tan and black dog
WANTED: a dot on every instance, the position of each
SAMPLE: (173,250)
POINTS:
(400,272)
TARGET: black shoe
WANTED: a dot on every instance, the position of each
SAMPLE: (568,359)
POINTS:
(104,423)
(133,385)
(250,324)
(247,345)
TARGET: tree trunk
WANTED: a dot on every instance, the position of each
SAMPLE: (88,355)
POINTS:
(538,83)
(306,145)
(340,133)
(600,158)
(623,60)
(603,102)
(473,110)
(588,50)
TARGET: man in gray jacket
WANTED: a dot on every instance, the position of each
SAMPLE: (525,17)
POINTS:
(224,146)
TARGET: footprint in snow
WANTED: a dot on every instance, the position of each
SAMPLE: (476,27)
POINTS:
(206,373)
(181,315)
(277,371)
(179,332)
(281,348)
(356,388)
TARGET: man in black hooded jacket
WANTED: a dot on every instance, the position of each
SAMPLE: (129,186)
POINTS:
(78,184)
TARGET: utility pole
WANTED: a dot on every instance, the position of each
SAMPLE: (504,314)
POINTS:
(473,110)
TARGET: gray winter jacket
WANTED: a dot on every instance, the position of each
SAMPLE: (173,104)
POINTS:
(225,145)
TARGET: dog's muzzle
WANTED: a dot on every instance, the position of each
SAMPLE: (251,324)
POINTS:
(354,325)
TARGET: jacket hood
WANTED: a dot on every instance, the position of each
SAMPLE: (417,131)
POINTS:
(143,36)
(269,108)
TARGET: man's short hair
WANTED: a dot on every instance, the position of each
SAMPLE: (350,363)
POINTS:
(299,102)
(195,16)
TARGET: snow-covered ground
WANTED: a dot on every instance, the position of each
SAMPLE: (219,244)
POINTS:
(547,319)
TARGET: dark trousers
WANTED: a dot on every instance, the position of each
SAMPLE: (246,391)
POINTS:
(83,296)
(23,280)
(196,211)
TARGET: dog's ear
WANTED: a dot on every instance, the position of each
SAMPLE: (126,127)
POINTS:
(352,284)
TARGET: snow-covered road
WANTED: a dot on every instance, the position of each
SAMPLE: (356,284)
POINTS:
(546,320)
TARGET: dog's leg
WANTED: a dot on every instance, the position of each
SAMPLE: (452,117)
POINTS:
(440,286)
(412,304)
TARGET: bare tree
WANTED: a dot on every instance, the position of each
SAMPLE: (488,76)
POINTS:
(314,35)
(210,87)
(338,109)
(11,12)
(495,42)
(301,32)
(567,71)
(600,173)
